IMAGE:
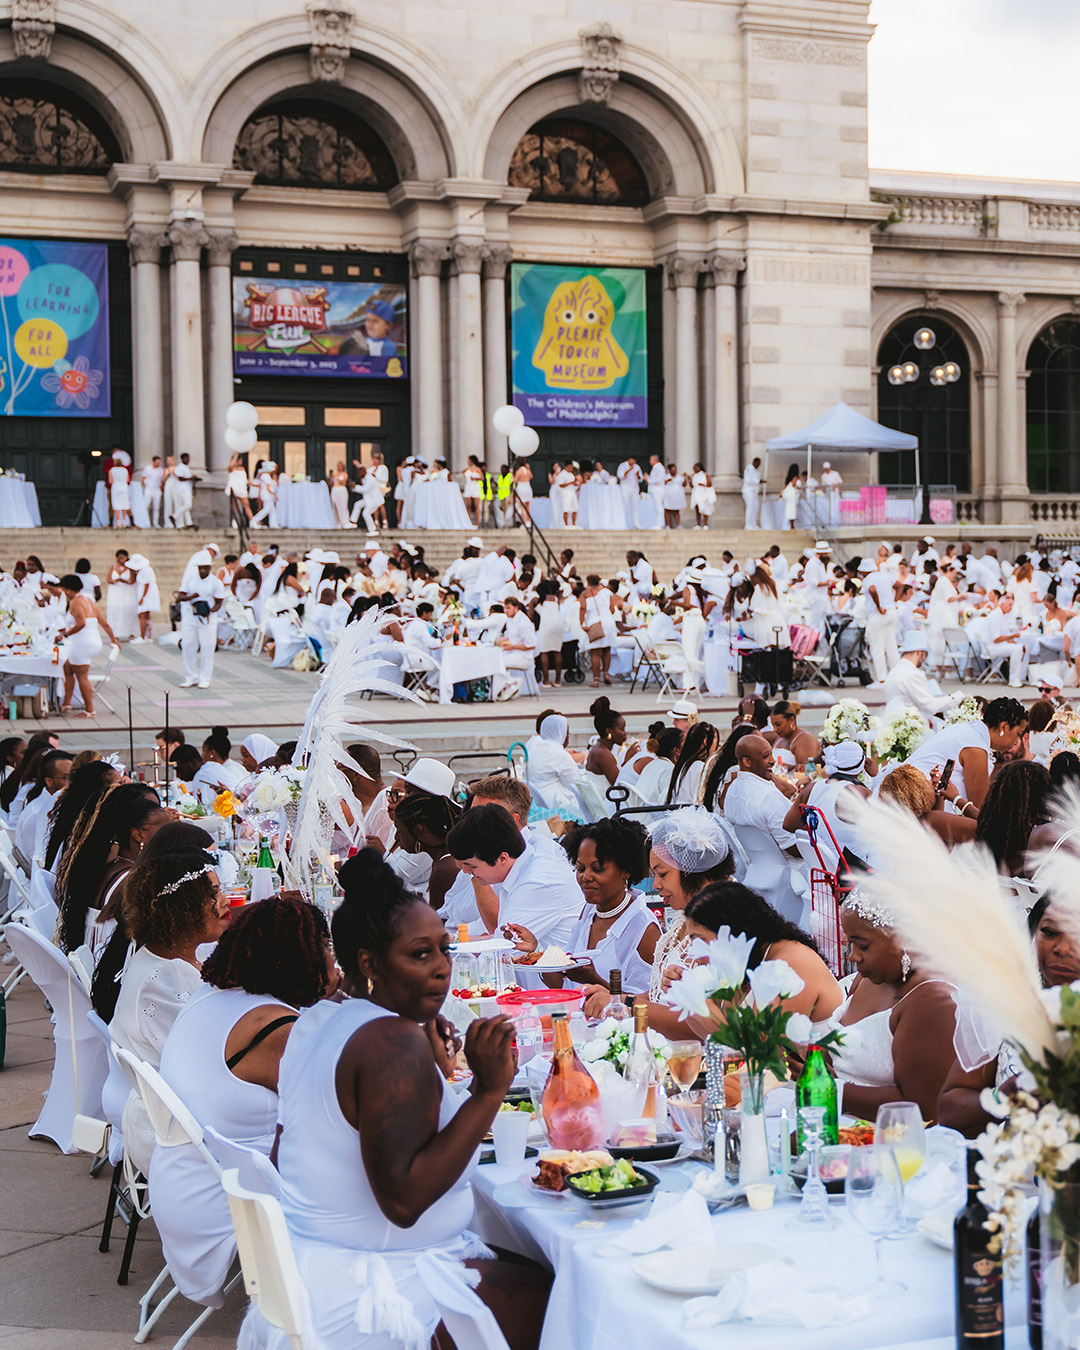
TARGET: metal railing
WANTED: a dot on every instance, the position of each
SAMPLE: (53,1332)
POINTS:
(545,553)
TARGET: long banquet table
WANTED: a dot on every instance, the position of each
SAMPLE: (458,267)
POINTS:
(598,1303)
(18,504)
(458,664)
(304,506)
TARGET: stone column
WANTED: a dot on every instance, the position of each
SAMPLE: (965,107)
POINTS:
(188,239)
(426,258)
(221,247)
(722,453)
(145,244)
(496,261)
(683,270)
(1011,450)
(467,395)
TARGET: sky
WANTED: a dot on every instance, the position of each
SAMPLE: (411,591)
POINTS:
(983,87)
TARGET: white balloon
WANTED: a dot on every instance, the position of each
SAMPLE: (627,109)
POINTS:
(507,419)
(242,416)
(240,442)
(524,442)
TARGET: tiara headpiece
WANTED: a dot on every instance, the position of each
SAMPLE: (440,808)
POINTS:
(174,886)
(877,916)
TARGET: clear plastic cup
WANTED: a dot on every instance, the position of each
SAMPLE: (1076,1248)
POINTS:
(509,1133)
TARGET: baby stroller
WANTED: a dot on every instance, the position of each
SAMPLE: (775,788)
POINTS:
(847,644)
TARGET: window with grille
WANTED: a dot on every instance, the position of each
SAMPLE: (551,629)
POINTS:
(298,144)
(566,160)
(44,129)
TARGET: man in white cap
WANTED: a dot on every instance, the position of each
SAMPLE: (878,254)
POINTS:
(816,581)
(906,687)
(831,481)
(200,601)
(880,593)
(682,715)
(925,552)
(751,490)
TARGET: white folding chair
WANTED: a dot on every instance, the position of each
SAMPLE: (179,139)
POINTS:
(595,804)
(267,1259)
(103,677)
(1023,891)
(415,665)
(18,882)
(469,1320)
(770,872)
(742,861)
(240,625)
(672,662)
(645,657)
(956,651)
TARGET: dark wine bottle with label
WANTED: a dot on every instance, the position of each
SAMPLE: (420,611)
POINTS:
(980,1307)
(1034,1283)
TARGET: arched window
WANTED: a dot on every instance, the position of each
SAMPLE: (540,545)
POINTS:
(296,143)
(939,414)
(565,160)
(1053,409)
(44,129)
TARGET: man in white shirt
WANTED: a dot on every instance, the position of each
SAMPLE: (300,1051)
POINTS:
(924,552)
(629,475)
(778,566)
(752,798)
(880,620)
(518,643)
(656,490)
(496,569)
(642,574)
(153,476)
(1069,572)
(987,570)
(534,889)
(31,832)
(1004,636)
(906,687)
(831,483)
(199,605)
(816,581)
(419,633)
(462,575)
(185,493)
(751,491)
(371,819)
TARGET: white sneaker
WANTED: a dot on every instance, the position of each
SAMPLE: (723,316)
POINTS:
(204,684)
(188,684)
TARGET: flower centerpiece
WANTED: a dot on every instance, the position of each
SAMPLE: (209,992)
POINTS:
(644,610)
(850,720)
(276,788)
(754,1025)
(225,806)
(900,736)
(967,710)
(612,1043)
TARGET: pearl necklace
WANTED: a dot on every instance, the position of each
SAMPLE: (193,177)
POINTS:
(608,914)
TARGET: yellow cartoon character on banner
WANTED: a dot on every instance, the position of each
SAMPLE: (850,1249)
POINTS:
(576,349)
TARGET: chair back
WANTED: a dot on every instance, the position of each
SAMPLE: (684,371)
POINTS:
(44,962)
(110,661)
(81,961)
(469,1320)
(267,1259)
(596,805)
(173,1123)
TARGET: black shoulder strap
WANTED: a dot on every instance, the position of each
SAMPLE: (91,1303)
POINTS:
(259,1037)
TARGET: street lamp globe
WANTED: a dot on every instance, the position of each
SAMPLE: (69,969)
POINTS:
(925,339)
(896,375)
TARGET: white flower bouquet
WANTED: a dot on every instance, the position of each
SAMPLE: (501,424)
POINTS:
(850,720)
(612,1043)
(644,611)
(967,710)
(276,788)
(900,736)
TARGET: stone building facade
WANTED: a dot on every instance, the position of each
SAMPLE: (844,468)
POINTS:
(720,146)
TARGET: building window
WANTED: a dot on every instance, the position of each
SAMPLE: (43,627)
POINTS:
(44,129)
(939,415)
(564,160)
(1053,409)
(295,144)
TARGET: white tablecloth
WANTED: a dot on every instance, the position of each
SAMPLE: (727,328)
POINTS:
(457,664)
(36,669)
(304,506)
(18,505)
(598,1303)
(600,506)
(439,505)
(541,512)
(101,512)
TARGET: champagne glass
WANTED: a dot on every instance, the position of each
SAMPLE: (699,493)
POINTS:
(684,1063)
(874,1192)
(813,1209)
(899,1125)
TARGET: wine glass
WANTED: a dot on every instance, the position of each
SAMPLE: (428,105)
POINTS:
(874,1191)
(684,1063)
(814,1207)
(899,1125)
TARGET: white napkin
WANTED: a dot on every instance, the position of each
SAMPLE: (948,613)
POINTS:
(777,1295)
(934,1188)
(673,1221)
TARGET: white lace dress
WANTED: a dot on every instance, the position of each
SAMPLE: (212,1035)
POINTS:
(670,951)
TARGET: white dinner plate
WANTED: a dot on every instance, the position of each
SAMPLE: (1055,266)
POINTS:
(702,1270)
(553,970)
(938,1229)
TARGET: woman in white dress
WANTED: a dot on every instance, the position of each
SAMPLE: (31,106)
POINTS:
(551,634)
(1022,586)
(236,489)
(82,642)
(598,607)
(943,610)
(523,493)
(568,488)
(674,497)
(375,1168)
(790,496)
(119,478)
(702,497)
(551,771)
(339,496)
(473,477)
(222,1058)
(147,595)
(557,518)
(218,771)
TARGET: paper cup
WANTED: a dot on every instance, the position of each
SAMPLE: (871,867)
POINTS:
(759,1194)
(509,1132)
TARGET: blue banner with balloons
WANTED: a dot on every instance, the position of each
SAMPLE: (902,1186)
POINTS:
(54,302)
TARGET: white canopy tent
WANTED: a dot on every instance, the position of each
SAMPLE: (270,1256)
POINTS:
(842,428)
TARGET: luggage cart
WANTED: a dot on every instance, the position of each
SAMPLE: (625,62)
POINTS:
(828,891)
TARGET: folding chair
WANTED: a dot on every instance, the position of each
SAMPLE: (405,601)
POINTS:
(17,879)
(957,649)
(242,625)
(267,1260)
(596,807)
(103,677)
(645,657)
(672,662)
(415,664)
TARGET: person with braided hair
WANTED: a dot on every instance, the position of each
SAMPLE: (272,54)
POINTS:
(222,1056)
(426,820)
(1015,804)
(86,786)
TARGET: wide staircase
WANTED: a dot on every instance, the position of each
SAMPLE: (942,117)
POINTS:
(594,550)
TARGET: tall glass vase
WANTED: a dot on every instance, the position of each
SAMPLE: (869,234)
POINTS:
(754,1155)
(714,1091)
(1059,1242)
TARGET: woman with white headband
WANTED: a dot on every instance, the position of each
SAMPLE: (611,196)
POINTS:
(551,770)
(837,796)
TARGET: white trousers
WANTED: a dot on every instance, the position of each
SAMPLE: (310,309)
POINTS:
(881,639)
(750,500)
(184,497)
(267,511)
(198,642)
(172,502)
(153,506)
(632,508)
(657,497)
(1019,654)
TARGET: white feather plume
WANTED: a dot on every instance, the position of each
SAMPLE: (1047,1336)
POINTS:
(1057,870)
(951,911)
(335,716)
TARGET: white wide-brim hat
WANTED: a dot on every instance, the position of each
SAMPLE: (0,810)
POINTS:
(429,775)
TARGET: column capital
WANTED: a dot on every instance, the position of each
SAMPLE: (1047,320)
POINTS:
(426,257)
(497,258)
(221,245)
(467,255)
(722,269)
(682,269)
(145,243)
(188,239)
(1009,302)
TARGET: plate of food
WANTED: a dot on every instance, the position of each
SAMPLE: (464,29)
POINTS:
(557,1164)
(619,1183)
(701,1270)
(661,1148)
(551,961)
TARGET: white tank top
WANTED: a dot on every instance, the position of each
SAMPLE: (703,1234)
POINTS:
(325,1191)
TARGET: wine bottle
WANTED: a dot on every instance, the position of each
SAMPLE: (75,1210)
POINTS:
(571,1099)
(980,1307)
(1034,1282)
(323,892)
(817,1087)
(616,1010)
(643,1070)
(264,873)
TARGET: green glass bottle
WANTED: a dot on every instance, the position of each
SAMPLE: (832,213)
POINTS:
(817,1087)
(266,858)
